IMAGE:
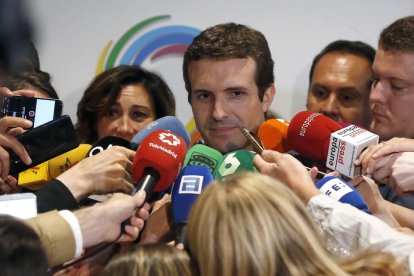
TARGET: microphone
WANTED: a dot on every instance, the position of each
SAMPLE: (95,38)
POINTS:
(233,162)
(320,138)
(309,134)
(105,143)
(64,162)
(342,191)
(158,161)
(170,123)
(273,134)
(203,155)
(36,176)
(185,190)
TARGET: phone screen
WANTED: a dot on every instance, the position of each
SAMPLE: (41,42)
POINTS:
(37,110)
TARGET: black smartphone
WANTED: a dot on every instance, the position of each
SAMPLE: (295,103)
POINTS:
(45,142)
(37,110)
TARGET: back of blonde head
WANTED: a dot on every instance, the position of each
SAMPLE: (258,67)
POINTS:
(150,260)
(251,224)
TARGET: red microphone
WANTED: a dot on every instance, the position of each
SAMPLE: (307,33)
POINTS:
(158,161)
(320,138)
(309,134)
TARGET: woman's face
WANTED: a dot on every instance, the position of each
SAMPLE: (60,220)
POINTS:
(132,110)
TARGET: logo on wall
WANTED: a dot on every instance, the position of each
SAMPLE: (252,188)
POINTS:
(140,43)
(148,41)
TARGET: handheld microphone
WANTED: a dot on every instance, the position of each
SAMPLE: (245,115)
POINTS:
(342,191)
(64,162)
(309,133)
(320,138)
(186,189)
(170,123)
(36,176)
(273,134)
(105,143)
(233,162)
(158,161)
(203,155)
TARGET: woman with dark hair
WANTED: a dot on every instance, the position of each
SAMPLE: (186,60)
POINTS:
(120,102)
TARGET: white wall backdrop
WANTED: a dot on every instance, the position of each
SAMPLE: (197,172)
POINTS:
(70,36)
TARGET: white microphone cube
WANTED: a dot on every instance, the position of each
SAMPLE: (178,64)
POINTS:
(345,146)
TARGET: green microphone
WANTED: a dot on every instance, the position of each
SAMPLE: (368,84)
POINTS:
(202,155)
(233,162)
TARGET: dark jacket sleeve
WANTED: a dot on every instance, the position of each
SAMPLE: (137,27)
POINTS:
(55,196)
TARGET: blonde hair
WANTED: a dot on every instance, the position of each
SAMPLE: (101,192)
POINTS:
(251,224)
(150,260)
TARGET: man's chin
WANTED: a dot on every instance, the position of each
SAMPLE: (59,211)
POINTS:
(224,146)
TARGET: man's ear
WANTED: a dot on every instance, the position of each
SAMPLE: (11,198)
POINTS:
(268,96)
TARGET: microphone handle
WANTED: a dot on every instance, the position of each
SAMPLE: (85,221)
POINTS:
(181,233)
(147,183)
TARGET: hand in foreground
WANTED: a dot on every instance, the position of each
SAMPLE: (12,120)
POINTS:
(289,171)
(106,172)
(101,222)
(375,153)
(396,170)
(376,203)
(8,141)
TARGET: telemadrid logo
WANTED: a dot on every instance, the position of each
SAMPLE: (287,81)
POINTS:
(148,45)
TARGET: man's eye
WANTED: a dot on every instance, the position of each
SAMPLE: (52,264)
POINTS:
(319,93)
(202,96)
(347,99)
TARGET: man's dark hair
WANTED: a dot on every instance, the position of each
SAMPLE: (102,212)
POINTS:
(231,40)
(357,48)
(399,36)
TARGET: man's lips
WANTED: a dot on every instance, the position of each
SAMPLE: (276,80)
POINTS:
(378,115)
(223,129)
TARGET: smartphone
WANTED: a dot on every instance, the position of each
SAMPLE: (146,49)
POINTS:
(37,110)
(45,142)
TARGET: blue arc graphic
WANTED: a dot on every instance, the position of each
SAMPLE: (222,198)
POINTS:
(163,36)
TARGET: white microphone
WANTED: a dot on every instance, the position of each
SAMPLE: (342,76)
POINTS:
(345,146)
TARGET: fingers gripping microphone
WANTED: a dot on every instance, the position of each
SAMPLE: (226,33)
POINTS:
(158,161)
(342,191)
(203,155)
(186,189)
(233,162)
(170,123)
(105,143)
(273,134)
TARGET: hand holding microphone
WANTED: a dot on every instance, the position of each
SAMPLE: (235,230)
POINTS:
(107,170)
(289,171)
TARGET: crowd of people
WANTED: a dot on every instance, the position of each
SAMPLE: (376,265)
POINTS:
(273,221)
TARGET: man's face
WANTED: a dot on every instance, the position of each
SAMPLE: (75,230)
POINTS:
(340,88)
(225,97)
(392,95)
